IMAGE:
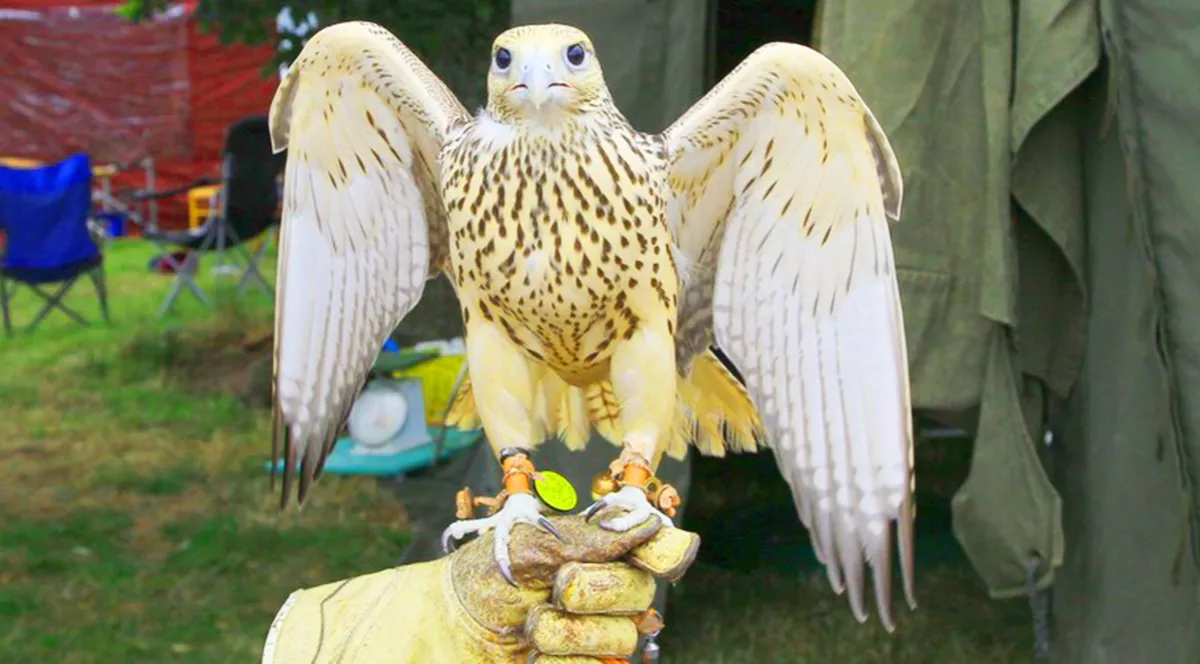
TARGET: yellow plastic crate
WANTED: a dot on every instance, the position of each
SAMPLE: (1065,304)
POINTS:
(19,162)
(437,378)
(200,204)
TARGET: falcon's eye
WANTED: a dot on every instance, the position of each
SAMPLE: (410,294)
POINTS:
(576,54)
(503,58)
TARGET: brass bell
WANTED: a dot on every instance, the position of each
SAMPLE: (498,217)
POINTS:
(603,484)
(464,504)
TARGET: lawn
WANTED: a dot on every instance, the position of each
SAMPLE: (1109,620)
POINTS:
(136,524)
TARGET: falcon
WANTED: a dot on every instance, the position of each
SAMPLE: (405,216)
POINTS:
(598,267)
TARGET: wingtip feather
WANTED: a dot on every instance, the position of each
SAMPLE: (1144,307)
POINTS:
(289,467)
(881,568)
(904,533)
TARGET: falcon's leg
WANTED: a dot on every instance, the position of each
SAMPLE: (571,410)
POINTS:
(517,508)
(644,382)
(503,381)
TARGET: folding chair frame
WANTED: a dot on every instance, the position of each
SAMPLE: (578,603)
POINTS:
(53,299)
(217,241)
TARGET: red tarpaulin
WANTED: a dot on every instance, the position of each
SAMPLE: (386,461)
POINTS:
(77,77)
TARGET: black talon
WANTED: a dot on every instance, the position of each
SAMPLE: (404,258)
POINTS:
(545,523)
(448,545)
(507,574)
(593,509)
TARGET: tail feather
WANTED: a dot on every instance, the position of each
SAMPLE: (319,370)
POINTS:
(719,409)
(462,414)
(715,412)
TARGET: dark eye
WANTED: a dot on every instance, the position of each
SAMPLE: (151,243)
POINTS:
(576,54)
(503,58)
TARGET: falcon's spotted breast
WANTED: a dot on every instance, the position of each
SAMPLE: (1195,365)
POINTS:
(547,250)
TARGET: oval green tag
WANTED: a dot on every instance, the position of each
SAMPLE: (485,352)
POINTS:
(556,491)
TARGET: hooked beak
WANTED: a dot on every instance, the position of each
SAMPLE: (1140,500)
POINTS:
(538,82)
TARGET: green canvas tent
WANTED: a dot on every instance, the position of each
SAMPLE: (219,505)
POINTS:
(1050,262)
(1049,254)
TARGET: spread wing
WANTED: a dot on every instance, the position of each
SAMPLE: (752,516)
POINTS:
(783,184)
(363,121)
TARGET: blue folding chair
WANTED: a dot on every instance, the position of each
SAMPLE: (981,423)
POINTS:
(44,214)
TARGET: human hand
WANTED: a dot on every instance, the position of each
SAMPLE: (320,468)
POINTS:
(579,599)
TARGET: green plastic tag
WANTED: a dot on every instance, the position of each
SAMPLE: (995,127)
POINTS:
(556,491)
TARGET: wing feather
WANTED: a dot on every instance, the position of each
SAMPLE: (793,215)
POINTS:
(783,185)
(363,121)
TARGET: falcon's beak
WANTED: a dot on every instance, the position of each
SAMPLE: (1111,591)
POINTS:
(537,83)
(540,79)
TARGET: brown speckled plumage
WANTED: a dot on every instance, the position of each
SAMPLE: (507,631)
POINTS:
(553,238)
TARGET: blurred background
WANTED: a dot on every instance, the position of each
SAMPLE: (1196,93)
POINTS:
(1048,258)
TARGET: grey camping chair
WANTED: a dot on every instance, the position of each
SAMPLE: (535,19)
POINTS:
(248,208)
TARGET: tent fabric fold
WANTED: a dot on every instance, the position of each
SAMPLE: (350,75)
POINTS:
(1049,161)
(978,100)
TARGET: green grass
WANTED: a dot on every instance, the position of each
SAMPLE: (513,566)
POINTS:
(136,524)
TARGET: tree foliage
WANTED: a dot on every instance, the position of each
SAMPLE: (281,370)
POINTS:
(452,36)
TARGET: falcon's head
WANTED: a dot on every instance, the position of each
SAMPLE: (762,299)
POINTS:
(544,70)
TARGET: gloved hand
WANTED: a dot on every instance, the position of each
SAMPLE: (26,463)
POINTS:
(576,601)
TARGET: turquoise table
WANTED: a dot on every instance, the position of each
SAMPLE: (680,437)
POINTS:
(342,461)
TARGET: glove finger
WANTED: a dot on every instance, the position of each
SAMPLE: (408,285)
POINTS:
(536,555)
(607,588)
(554,632)
(668,554)
(593,544)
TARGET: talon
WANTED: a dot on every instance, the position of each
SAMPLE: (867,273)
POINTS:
(549,527)
(466,526)
(637,506)
(594,508)
(515,504)
(506,572)
(500,553)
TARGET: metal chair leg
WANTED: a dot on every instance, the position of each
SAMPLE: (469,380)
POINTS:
(252,274)
(54,301)
(184,273)
(183,279)
(98,281)
(4,306)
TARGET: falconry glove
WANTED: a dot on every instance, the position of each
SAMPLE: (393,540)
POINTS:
(581,597)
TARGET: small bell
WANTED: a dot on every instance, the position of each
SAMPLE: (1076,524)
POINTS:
(464,504)
(603,484)
(651,651)
(650,624)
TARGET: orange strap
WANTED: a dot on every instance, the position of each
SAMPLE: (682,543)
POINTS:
(518,470)
(635,475)
(517,483)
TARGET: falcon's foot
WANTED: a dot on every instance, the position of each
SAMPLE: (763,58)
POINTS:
(635,501)
(517,508)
